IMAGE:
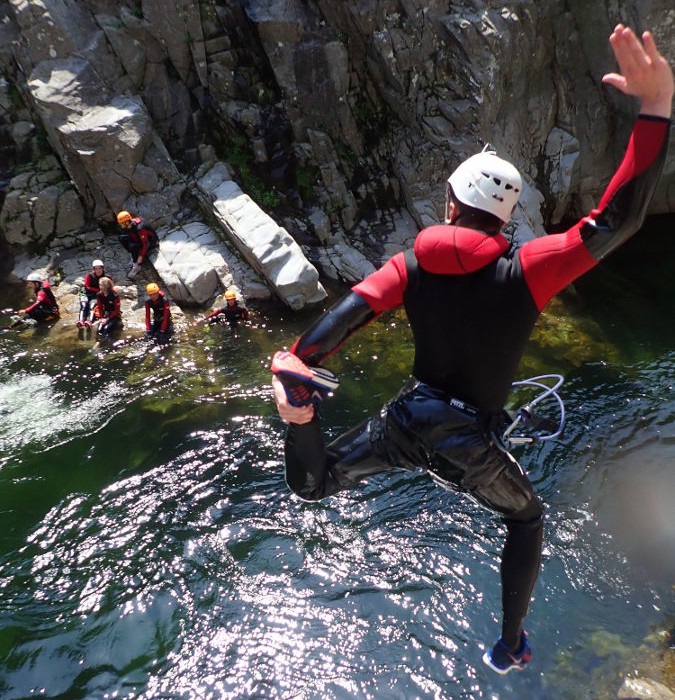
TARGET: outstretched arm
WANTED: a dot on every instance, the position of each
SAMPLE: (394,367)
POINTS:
(552,262)
(644,72)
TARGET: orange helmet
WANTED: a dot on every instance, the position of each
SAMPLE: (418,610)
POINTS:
(152,288)
(230,294)
(123,217)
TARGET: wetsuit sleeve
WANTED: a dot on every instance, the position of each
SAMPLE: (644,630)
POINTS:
(167,316)
(147,316)
(378,292)
(40,298)
(215,313)
(88,284)
(552,262)
(143,238)
(383,290)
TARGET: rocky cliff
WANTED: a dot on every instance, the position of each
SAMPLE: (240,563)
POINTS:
(339,120)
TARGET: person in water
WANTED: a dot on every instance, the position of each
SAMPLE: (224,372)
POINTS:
(158,326)
(88,295)
(472,298)
(138,238)
(108,309)
(232,312)
(44,309)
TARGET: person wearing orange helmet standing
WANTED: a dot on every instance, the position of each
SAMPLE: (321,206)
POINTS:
(158,325)
(138,238)
(232,312)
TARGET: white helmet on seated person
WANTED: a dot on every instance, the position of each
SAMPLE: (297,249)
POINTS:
(489,183)
(98,263)
(34,277)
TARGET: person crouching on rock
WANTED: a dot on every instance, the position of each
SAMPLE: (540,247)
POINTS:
(232,312)
(89,293)
(158,326)
(138,238)
(44,309)
(107,308)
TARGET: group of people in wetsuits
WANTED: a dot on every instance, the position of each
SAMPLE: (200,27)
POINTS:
(100,302)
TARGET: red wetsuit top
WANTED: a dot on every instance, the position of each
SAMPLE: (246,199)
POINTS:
(108,306)
(472,299)
(91,286)
(156,310)
(45,299)
(142,234)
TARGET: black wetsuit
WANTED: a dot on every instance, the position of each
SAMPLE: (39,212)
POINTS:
(472,301)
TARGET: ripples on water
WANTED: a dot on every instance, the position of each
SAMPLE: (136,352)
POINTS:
(152,550)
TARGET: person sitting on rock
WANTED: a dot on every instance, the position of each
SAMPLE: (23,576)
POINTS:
(158,325)
(108,309)
(138,238)
(88,294)
(44,309)
(232,312)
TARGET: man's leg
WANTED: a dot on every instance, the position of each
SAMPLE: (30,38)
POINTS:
(314,471)
(510,494)
(84,311)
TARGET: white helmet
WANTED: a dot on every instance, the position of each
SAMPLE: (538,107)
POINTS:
(34,277)
(97,263)
(489,183)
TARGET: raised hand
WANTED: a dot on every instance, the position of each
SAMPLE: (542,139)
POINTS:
(644,72)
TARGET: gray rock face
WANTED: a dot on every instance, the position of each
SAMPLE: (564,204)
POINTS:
(195,266)
(266,246)
(353,114)
(40,204)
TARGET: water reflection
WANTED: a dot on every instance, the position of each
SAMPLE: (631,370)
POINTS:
(152,550)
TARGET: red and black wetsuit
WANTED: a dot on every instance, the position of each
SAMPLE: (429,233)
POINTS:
(232,314)
(44,308)
(472,301)
(158,315)
(139,238)
(88,299)
(108,308)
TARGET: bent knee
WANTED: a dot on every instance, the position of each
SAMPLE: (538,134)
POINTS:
(531,515)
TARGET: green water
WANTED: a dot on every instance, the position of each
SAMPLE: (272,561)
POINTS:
(150,549)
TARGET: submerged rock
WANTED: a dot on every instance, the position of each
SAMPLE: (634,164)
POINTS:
(644,689)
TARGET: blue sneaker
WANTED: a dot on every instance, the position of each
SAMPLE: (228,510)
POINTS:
(502,660)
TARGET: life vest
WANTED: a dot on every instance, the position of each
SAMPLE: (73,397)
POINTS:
(91,284)
(143,234)
(107,306)
(234,313)
(160,310)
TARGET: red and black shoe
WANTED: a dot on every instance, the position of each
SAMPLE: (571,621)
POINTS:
(303,384)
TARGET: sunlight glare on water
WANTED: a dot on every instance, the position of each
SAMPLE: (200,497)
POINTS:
(151,548)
